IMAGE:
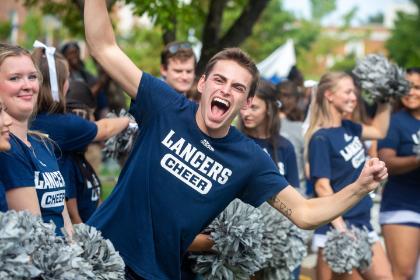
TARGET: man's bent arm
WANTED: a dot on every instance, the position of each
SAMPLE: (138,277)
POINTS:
(311,213)
(103,47)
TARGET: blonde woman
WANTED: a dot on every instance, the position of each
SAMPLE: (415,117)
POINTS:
(30,172)
(336,157)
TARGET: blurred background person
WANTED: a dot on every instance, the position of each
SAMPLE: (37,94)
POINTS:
(291,118)
(400,206)
(177,66)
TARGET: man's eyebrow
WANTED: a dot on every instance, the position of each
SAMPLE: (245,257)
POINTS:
(220,76)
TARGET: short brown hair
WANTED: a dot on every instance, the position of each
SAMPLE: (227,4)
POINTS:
(176,50)
(240,57)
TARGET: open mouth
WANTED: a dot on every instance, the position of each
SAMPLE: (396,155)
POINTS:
(219,106)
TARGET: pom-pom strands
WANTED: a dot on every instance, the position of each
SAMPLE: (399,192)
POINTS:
(247,240)
(380,78)
(122,143)
(284,242)
(99,253)
(30,249)
(347,250)
(18,231)
(237,234)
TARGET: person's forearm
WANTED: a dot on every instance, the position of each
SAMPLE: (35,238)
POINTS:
(321,210)
(68,226)
(73,211)
(401,165)
(98,28)
(110,127)
(382,118)
(322,189)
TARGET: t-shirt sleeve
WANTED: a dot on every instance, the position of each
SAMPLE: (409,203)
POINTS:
(77,134)
(319,158)
(392,139)
(266,182)
(354,128)
(15,171)
(153,95)
(292,173)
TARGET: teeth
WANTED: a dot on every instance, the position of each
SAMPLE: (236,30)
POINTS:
(224,102)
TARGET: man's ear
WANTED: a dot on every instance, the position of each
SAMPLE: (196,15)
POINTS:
(163,71)
(201,84)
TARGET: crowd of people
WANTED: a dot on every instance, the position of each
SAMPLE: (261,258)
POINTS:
(313,153)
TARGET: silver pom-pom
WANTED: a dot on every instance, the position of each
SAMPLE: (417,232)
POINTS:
(237,234)
(122,143)
(18,230)
(284,242)
(347,250)
(62,261)
(99,253)
(380,78)
(30,248)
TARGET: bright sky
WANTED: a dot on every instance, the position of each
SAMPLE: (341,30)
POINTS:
(365,8)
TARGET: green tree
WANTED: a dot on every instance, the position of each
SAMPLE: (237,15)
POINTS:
(377,18)
(33,29)
(321,8)
(270,32)
(206,17)
(5,30)
(403,45)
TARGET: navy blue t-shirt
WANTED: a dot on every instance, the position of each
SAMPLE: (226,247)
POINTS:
(35,166)
(73,134)
(3,201)
(339,155)
(176,181)
(286,158)
(402,192)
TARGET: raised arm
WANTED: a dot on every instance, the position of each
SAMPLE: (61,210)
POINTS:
(311,213)
(380,123)
(110,127)
(103,47)
(398,165)
(323,188)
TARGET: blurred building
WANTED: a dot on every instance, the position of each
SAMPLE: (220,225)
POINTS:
(13,12)
(355,41)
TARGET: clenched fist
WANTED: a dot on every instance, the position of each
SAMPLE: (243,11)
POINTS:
(373,173)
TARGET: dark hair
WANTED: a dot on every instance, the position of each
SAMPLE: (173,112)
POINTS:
(45,102)
(291,90)
(296,76)
(69,45)
(266,91)
(413,70)
(240,57)
(176,50)
(80,96)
